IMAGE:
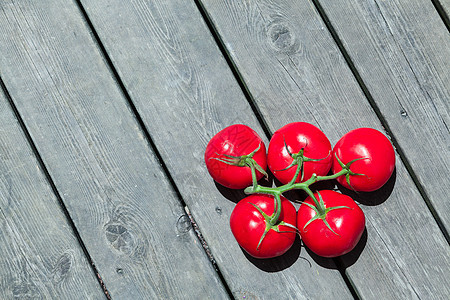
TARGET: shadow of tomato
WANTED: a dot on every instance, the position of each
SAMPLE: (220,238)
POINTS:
(372,198)
(279,263)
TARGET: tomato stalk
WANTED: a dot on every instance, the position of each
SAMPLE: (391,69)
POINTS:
(318,207)
(275,192)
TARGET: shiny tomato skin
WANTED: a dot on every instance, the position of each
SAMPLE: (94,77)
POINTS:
(348,223)
(379,162)
(235,140)
(298,135)
(248,225)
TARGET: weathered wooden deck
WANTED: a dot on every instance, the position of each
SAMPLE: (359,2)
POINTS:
(106,108)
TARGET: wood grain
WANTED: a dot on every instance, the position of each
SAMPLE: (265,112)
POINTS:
(185,93)
(128,215)
(295,72)
(40,255)
(401,50)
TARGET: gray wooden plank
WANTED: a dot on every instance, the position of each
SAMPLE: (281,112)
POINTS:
(40,255)
(185,93)
(295,72)
(401,50)
(113,186)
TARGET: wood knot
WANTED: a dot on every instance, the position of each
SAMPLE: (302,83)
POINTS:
(62,267)
(183,224)
(281,38)
(119,237)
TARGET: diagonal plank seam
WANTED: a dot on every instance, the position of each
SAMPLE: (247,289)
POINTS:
(152,145)
(409,64)
(50,181)
(233,68)
(248,95)
(442,13)
(383,121)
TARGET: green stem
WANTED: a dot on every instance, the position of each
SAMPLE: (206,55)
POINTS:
(319,207)
(297,172)
(276,192)
(253,170)
(334,176)
(305,186)
(274,218)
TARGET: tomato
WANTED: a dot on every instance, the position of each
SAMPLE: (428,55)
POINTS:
(376,159)
(292,138)
(236,140)
(347,224)
(248,226)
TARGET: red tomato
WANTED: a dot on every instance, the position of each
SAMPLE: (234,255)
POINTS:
(235,140)
(377,163)
(347,223)
(296,136)
(248,226)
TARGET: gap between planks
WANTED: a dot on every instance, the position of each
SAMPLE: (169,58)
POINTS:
(259,116)
(379,114)
(155,150)
(53,187)
(442,13)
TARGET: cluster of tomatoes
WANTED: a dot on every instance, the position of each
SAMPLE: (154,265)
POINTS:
(330,224)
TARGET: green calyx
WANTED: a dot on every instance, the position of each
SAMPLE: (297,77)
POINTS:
(242,161)
(349,172)
(321,212)
(298,159)
(272,222)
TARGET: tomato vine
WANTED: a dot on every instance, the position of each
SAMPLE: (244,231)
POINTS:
(265,223)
